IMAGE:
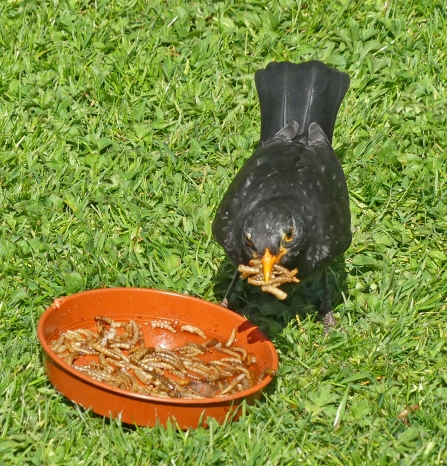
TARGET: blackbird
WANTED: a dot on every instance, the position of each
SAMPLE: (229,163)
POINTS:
(289,202)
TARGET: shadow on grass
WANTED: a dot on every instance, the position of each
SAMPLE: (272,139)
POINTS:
(342,151)
(272,315)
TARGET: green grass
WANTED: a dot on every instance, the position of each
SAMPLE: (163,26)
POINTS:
(121,125)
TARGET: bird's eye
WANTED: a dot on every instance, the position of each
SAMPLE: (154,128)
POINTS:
(249,241)
(289,235)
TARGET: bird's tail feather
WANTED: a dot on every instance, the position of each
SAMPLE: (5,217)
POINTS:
(306,92)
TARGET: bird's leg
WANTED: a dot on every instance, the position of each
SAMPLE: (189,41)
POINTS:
(326,307)
(230,289)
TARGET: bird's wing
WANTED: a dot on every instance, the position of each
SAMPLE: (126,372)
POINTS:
(318,141)
(285,134)
(316,136)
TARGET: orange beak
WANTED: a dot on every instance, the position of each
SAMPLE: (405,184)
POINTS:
(268,261)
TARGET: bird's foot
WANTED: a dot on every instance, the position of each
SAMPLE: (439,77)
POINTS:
(326,313)
(327,316)
(224,303)
(329,321)
(226,298)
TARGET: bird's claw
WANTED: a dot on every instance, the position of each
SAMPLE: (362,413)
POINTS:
(329,321)
(224,303)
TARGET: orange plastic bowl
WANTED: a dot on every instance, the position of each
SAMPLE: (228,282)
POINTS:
(145,305)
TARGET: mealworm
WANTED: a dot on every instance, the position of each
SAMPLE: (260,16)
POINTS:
(247,383)
(273,281)
(280,294)
(60,350)
(133,378)
(121,338)
(55,345)
(184,382)
(266,372)
(161,394)
(246,275)
(232,384)
(108,352)
(125,378)
(226,373)
(193,376)
(70,359)
(104,320)
(279,276)
(243,351)
(165,358)
(244,370)
(97,375)
(192,329)
(146,367)
(198,368)
(283,271)
(210,343)
(255,262)
(141,352)
(235,354)
(102,359)
(135,333)
(229,367)
(87,333)
(201,348)
(179,374)
(256,281)
(232,360)
(199,365)
(249,270)
(194,396)
(163,324)
(170,383)
(232,338)
(144,377)
(118,324)
(70,345)
(122,364)
(125,346)
(168,353)
(188,351)
(125,362)
(87,351)
(73,335)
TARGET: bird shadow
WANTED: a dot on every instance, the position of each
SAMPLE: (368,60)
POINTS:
(272,315)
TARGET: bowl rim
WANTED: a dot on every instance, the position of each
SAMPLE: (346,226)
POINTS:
(49,353)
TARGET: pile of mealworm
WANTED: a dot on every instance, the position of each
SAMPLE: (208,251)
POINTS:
(121,359)
(280,275)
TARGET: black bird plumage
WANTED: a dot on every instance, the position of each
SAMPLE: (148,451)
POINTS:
(291,195)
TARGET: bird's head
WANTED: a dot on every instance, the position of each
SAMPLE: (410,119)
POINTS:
(273,234)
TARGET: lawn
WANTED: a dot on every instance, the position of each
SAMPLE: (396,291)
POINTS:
(121,125)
